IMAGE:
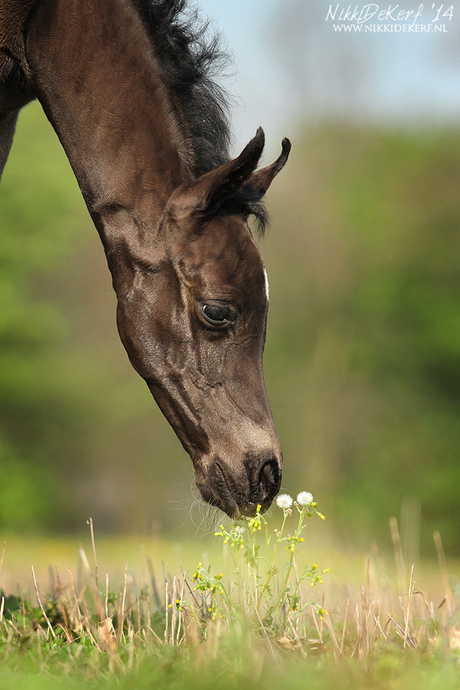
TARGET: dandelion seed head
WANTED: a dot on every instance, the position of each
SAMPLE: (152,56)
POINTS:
(304,498)
(284,501)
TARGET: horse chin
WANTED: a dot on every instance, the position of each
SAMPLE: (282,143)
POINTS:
(228,505)
(219,496)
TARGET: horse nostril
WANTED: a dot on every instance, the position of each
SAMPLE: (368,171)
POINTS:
(269,479)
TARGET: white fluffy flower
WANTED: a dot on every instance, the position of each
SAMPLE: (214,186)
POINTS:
(284,501)
(305,498)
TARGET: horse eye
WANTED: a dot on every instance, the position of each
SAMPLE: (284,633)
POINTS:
(216,315)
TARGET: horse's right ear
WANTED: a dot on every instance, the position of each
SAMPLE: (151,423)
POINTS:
(261,180)
(206,194)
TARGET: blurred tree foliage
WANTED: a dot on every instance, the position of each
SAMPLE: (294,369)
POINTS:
(362,358)
(365,328)
(37,229)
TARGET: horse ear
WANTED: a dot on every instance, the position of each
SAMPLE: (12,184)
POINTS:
(210,190)
(261,180)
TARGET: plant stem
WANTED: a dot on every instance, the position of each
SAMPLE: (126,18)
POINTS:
(272,569)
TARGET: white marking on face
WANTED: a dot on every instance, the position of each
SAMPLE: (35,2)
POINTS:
(267,287)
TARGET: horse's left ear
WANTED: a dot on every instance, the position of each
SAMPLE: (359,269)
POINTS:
(208,192)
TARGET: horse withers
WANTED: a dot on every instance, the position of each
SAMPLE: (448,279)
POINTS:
(125,84)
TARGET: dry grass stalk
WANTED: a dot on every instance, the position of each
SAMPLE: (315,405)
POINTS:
(409,601)
(166,611)
(3,555)
(399,558)
(50,627)
(344,627)
(96,576)
(444,573)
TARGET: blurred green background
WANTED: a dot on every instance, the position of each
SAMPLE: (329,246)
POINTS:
(362,357)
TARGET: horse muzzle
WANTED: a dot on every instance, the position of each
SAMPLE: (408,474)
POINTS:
(237,489)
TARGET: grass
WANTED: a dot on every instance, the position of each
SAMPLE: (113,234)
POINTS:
(266,616)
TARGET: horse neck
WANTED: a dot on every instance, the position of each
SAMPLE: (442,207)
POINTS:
(96,76)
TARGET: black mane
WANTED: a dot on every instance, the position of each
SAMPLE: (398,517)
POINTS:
(189,59)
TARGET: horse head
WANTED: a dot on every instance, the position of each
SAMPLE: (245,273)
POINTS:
(193,322)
